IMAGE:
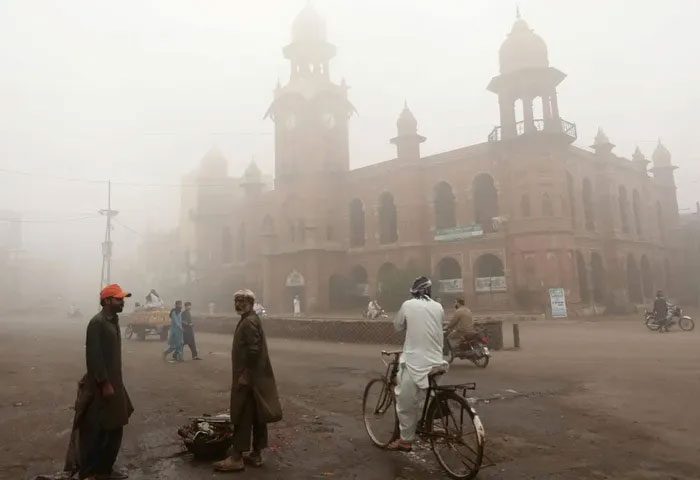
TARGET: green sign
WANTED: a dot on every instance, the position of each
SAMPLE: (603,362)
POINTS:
(458,233)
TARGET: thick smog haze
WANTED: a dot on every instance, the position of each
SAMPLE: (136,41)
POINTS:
(139,91)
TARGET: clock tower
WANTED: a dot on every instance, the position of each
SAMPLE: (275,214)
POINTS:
(310,112)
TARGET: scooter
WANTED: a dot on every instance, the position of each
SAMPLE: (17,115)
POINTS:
(474,349)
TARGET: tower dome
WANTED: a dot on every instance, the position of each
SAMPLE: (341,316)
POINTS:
(522,49)
(252,173)
(661,156)
(213,164)
(309,26)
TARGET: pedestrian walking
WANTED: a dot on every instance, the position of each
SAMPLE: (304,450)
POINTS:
(175,340)
(254,400)
(102,407)
(188,330)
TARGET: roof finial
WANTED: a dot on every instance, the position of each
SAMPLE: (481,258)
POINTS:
(517,12)
(405,104)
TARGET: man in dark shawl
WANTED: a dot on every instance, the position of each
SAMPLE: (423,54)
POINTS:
(254,400)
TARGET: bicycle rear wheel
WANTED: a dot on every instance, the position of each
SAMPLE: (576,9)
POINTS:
(379,412)
(456,435)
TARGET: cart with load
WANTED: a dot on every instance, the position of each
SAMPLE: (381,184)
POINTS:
(148,321)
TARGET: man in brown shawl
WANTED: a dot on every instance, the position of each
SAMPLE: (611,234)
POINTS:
(254,400)
(103,406)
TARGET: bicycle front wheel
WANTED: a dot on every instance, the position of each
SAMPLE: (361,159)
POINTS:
(379,412)
(456,435)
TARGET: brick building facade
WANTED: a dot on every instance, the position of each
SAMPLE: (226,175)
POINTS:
(498,222)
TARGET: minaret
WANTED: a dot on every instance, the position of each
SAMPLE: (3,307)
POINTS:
(663,176)
(640,161)
(407,140)
(525,74)
(310,112)
(252,181)
(602,144)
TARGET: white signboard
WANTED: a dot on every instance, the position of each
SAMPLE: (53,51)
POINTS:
(362,289)
(452,285)
(490,284)
(295,279)
(557,298)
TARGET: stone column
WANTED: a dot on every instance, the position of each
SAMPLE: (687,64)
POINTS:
(507,108)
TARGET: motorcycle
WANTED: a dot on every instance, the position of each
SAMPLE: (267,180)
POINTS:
(675,316)
(474,349)
(380,315)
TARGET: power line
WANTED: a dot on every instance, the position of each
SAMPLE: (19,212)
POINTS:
(126,227)
(124,183)
(62,220)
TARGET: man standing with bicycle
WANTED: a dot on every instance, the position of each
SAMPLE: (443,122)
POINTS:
(422,318)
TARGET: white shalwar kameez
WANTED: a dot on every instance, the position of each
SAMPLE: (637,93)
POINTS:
(423,321)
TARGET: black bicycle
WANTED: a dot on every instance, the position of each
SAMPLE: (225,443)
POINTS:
(448,422)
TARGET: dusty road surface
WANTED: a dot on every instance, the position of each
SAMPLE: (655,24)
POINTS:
(582,400)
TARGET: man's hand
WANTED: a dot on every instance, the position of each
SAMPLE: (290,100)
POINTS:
(107,390)
(243,380)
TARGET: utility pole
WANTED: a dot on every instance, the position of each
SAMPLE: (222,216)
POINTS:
(107,244)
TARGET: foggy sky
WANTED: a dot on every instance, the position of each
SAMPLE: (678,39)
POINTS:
(138,91)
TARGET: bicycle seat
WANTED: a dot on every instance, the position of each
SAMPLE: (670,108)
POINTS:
(437,371)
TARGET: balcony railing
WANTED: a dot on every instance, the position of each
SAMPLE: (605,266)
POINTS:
(539,125)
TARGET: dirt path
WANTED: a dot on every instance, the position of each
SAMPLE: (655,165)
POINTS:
(581,401)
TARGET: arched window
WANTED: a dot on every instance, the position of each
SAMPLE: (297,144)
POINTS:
(388,232)
(485,201)
(226,244)
(449,274)
(292,232)
(489,275)
(634,284)
(623,205)
(489,265)
(449,268)
(525,205)
(241,242)
(444,199)
(357,223)
(588,209)
(572,198)
(547,208)
(636,206)
(583,288)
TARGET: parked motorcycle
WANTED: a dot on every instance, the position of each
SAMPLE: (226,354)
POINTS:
(675,316)
(474,349)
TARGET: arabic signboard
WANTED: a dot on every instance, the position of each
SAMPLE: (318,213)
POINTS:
(557,298)
(295,279)
(490,284)
(458,233)
(452,285)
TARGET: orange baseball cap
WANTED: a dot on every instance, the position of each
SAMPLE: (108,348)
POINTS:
(114,291)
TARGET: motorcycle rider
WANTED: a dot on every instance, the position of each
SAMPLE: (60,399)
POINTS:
(373,310)
(461,327)
(661,310)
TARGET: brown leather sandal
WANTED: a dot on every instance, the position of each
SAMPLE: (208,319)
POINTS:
(399,446)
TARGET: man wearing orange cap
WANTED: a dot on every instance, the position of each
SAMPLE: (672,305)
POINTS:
(103,406)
